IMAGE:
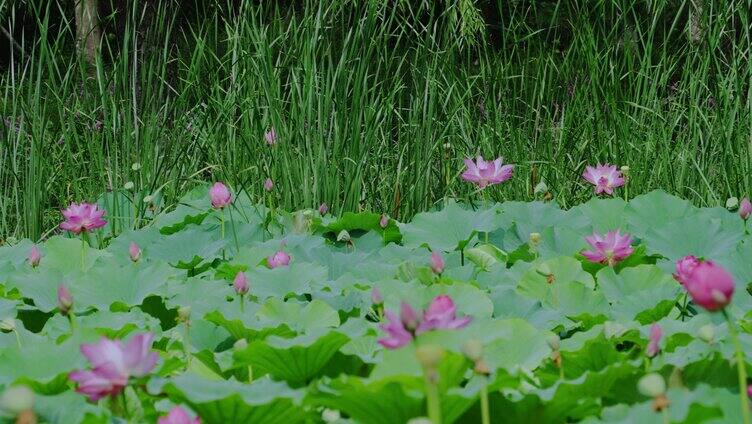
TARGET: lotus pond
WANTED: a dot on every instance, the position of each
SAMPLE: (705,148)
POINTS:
(511,312)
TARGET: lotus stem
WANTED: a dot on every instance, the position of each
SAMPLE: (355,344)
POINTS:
(741,367)
(83,253)
(432,399)
(484,410)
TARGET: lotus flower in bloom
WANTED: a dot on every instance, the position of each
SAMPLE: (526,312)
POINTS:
(64,299)
(655,339)
(710,286)
(384,221)
(113,363)
(134,252)
(271,136)
(604,177)
(684,268)
(240,284)
(220,195)
(608,249)
(745,208)
(178,415)
(441,314)
(278,259)
(323,209)
(484,173)
(81,217)
(437,262)
(34,256)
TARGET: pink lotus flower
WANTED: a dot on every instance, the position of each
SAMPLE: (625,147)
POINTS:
(376,297)
(268,184)
(437,262)
(710,286)
(113,364)
(684,268)
(604,177)
(441,315)
(220,195)
(485,173)
(81,217)
(655,339)
(64,299)
(745,208)
(280,258)
(384,221)
(34,256)
(323,209)
(134,252)
(240,284)
(271,136)
(608,249)
(178,415)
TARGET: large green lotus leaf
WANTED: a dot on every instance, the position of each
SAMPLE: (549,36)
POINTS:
(533,217)
(63,254)
(604,214)
(737,263)
(643,293)
(449,229)
(69,408)
(192,244)
(510,304)
(8,308)
(511,343)
(229,401)
(369,403)
(692,235)
(129,285)
(202,295)
(295,279)
(40,285)
(654,210)
(16,254)
(501,276)
(114,325)
(558,241)
(296,360)
(204,335)
(302,248)
(364,221)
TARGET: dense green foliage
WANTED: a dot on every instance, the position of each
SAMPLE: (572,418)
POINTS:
(375,102)
(311,330)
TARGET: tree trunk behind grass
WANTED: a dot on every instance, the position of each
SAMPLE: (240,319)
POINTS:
(88,33)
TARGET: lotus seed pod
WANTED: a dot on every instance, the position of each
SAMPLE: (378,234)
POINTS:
(707,332)
(240,344)
(7,325)
(330,415)
(732,203)
(136,166)
(129,185)
(473,349)
(540,188)
(652,385)
(554,342)
(625,170)
(16,399)
(535,239)
(429,356)
(184,313)
(148,199)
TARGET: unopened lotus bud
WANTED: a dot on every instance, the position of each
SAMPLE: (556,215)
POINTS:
(554,342)
(184,313)
(64,299)
(540,188)
(535,239)
(429,356)
(625,170)
(376,297)
(129,185)
(652,385)
(343,236)
(8,325)
(707,332)
(330,415)
(240,344)
(16,399)
(473,349)
(732,203)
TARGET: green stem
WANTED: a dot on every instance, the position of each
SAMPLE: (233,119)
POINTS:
(683,312)
(126,415)
(72,321)
(250,374)
(741,367)
(222,230)
(234,233)
(242,304)
(484,410)
(186,344)
(666,419)
(18,338)
(83,253)
(432,399)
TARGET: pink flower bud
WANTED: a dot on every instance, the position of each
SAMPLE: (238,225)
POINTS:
(278,259)
(178,415)
(376,297)
(655,339)
(64,299)
(384,221)
(268,184)
(34,256)
(745,208)
(240,284)
(710,286)
(134,252)
(323,209)
(684,268)
(437,262)
(271,136)
(220,195)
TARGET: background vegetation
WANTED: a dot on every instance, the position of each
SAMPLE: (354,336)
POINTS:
(375,101)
